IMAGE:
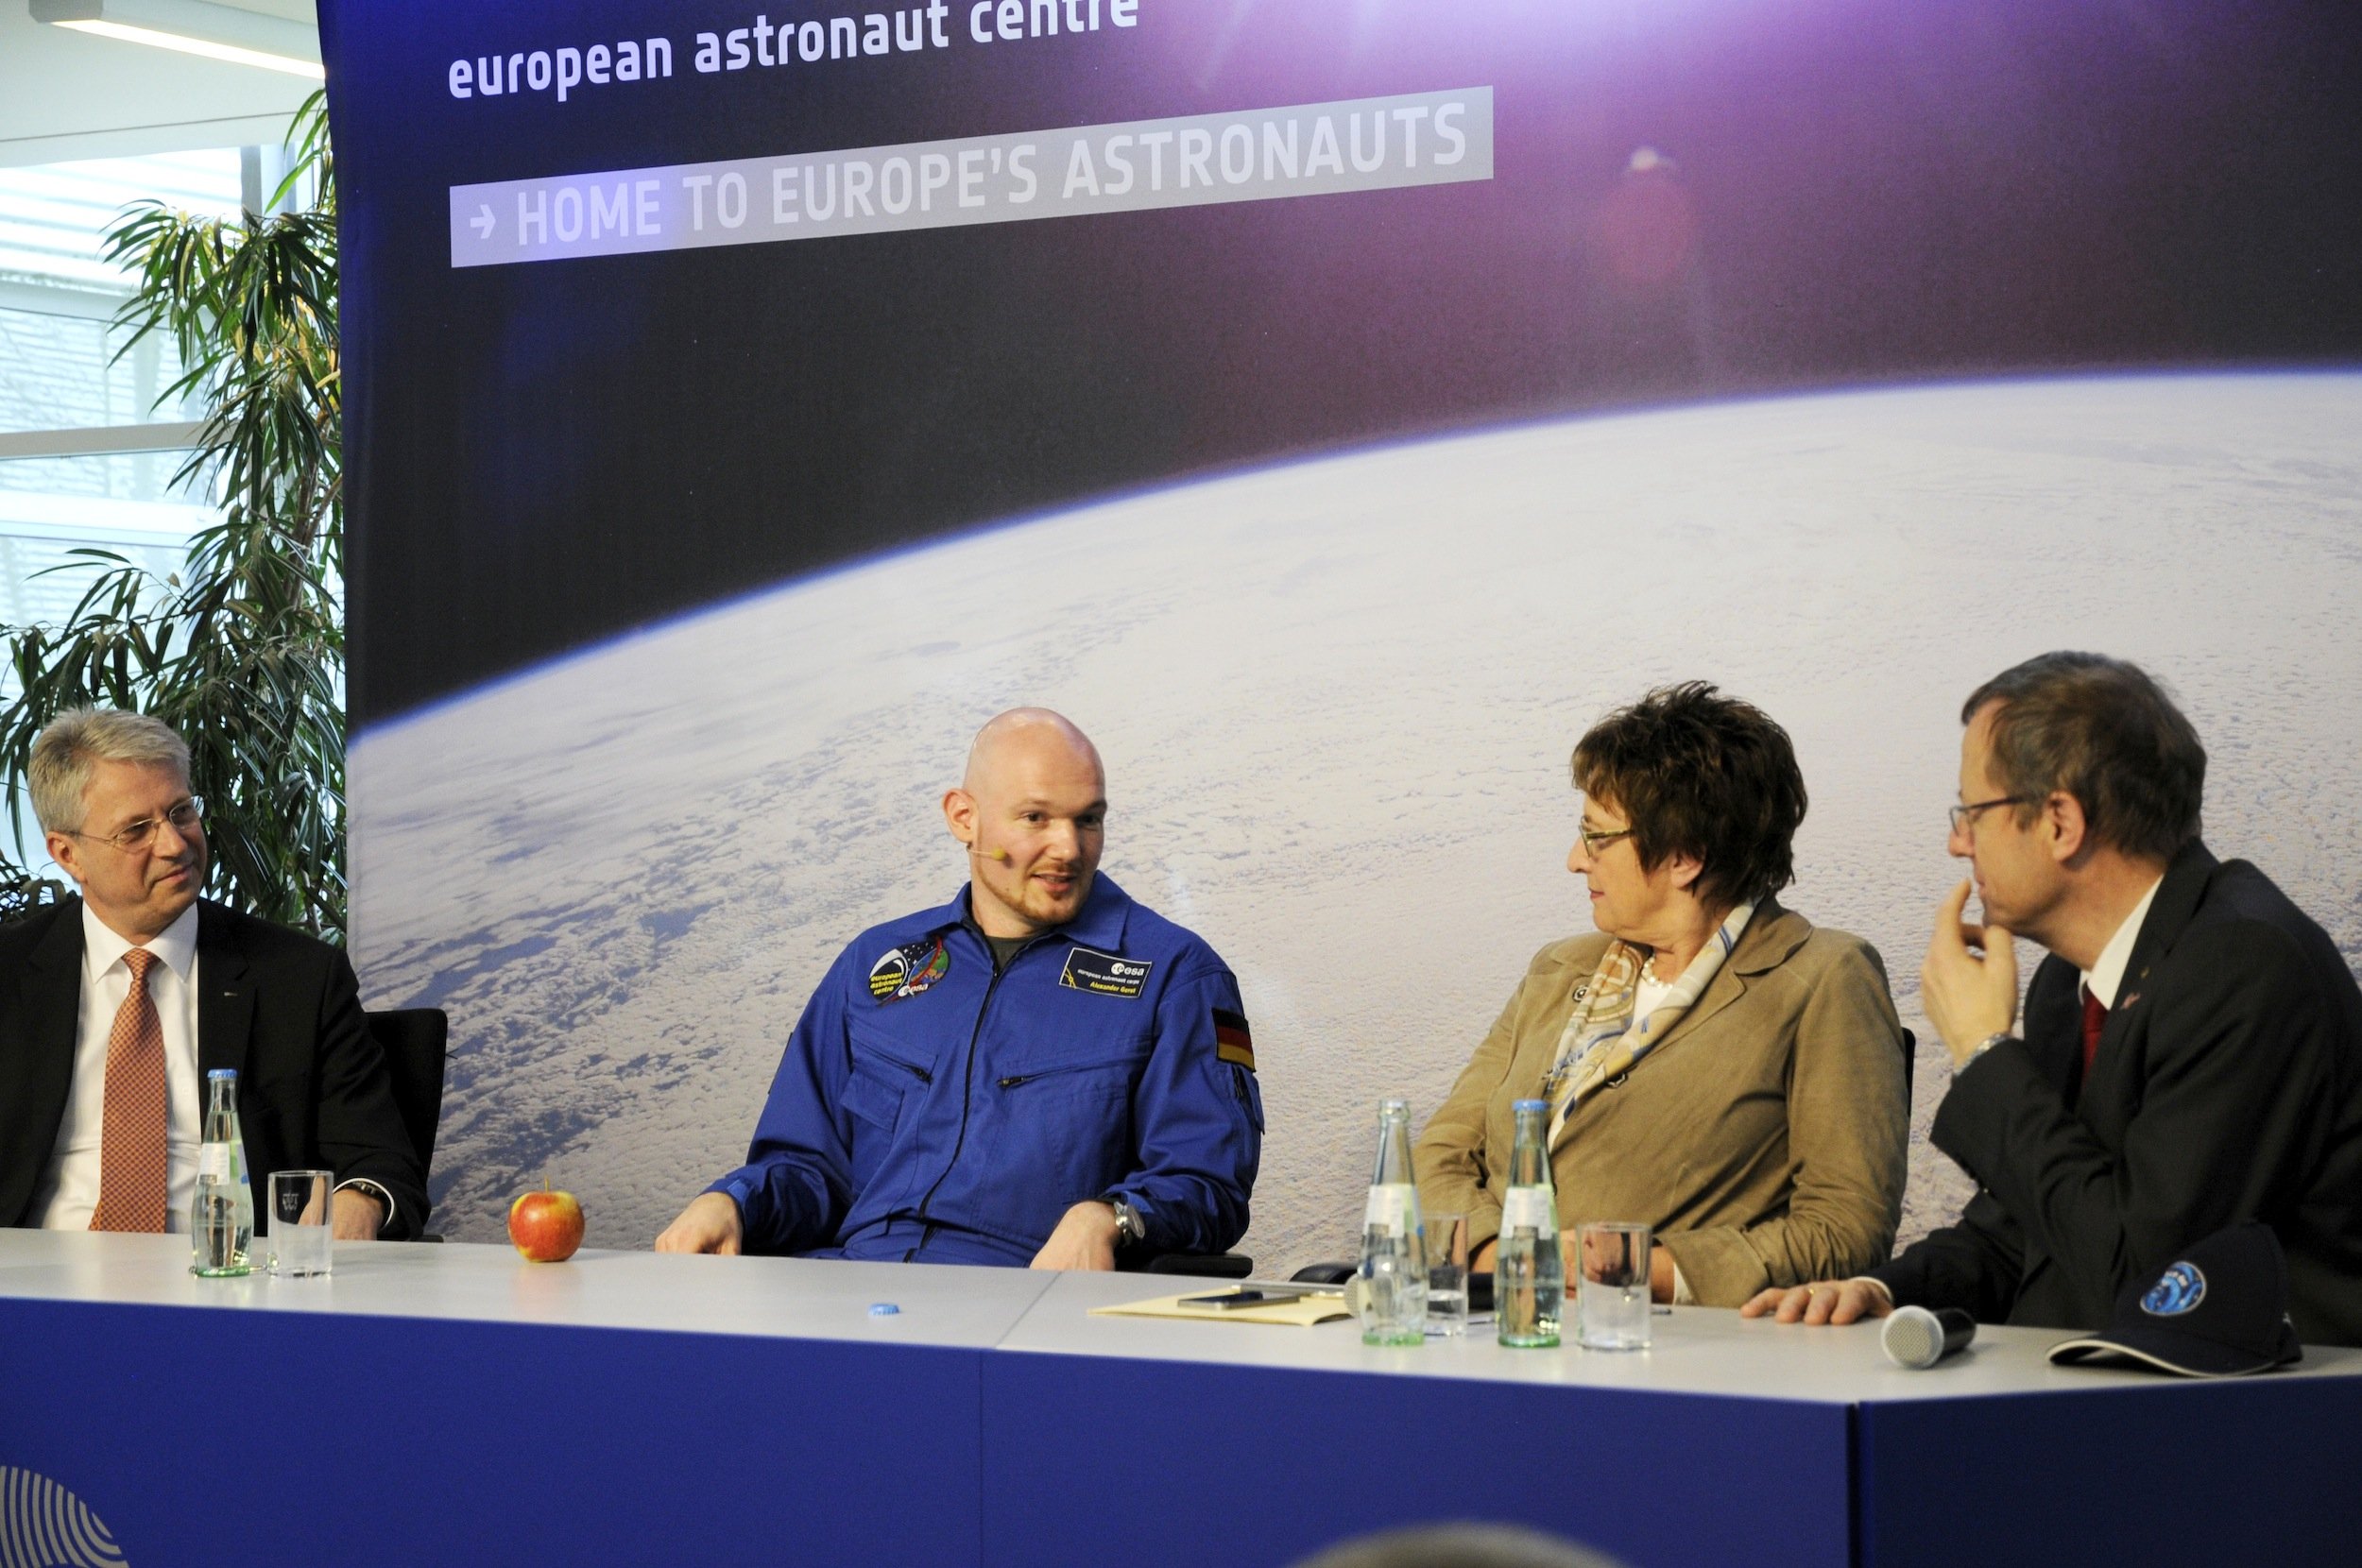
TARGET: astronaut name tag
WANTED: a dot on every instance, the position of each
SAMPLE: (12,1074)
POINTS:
(1104,974)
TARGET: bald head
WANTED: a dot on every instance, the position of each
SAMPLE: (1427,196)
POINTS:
(1021,738)
(1032,810)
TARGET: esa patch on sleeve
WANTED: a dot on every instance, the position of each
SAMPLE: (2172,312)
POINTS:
(1232,1043)
(1104,974)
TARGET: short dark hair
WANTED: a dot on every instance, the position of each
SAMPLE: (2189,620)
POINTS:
(2103,731)
(1701,774)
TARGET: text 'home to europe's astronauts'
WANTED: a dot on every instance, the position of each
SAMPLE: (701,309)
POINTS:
(1248,155)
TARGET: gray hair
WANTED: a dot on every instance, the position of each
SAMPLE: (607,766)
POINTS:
(1459,1545)
(72,744)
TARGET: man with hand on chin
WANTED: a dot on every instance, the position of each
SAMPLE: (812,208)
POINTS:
(2191,1055)
(115,1005)
(1041,1072)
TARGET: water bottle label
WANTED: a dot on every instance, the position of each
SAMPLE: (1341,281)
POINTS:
(1529,1209)
(213,1162)
(1390,1209)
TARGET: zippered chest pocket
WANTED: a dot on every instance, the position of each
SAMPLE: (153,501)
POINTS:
(1108,1078)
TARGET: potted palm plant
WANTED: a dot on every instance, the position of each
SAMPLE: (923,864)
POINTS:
(242,650)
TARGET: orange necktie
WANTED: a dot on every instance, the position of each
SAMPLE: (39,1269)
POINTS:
(131,1174)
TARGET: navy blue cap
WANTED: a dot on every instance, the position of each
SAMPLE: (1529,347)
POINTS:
(2220,1309)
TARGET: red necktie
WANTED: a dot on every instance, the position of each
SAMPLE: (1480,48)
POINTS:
(2095,1019)
(131,1174)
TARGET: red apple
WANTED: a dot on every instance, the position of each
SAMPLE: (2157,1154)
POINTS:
(545,1225)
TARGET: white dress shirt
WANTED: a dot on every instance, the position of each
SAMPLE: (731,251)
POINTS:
(2105,977)
(68,1193)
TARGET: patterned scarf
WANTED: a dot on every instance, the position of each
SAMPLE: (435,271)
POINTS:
(1600,1040)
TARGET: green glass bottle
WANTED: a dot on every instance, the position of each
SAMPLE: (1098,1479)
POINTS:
(1529,1275)
(221,1217)
(1394,1247)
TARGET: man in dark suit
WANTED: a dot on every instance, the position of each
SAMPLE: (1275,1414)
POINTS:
(115,1005)
(2192,1053)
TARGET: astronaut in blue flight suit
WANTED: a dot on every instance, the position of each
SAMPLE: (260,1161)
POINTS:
(1041,1071)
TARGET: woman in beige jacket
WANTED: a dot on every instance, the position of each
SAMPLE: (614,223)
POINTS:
(1715,1065)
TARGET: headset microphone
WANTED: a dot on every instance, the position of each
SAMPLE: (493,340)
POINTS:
(1918,1339)
(989,854)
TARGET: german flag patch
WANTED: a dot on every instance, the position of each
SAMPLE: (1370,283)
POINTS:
(1232,1043)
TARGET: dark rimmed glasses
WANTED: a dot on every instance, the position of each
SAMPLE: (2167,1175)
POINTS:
(1965,817)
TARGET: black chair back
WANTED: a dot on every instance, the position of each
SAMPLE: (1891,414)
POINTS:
(413,1041)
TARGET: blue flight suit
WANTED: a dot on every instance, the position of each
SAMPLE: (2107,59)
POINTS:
(928,1110)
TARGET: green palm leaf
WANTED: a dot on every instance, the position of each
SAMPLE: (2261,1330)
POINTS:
(242,650)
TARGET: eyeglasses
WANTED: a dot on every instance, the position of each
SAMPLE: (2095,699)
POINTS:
(1592,839)
(142,834)
(1964,817)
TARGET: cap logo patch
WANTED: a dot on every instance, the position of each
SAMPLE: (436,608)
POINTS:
(2177,1291)
(907,970)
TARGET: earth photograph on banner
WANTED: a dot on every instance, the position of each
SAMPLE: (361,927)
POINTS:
(1336,697)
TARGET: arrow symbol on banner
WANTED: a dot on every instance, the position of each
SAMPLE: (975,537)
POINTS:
(481,222)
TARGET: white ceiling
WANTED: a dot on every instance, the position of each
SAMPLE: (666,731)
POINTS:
(65,95)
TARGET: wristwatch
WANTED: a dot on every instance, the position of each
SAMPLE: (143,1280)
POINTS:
(1130,1232)
(1982,1045)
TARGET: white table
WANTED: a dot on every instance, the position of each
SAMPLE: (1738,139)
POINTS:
(464,1404)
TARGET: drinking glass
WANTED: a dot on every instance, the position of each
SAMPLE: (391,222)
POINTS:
(1612,1295)
(1447,1275)
(301,1203)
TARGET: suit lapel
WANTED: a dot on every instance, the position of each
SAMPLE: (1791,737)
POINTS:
(51,995)
(2053,1032)
(1726,987)
(225,1003)
(1772,937)
(2169,915)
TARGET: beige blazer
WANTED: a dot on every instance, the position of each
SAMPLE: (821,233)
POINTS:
(1763,1138)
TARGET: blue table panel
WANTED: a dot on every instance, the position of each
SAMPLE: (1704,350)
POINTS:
(1256,1467)
(260,1438)
(2254,1471)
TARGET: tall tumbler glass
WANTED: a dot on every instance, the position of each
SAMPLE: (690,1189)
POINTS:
(1447,1275)
(1612,1295)
(301,1202)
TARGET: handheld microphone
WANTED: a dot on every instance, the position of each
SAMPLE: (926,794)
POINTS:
(1918,1339)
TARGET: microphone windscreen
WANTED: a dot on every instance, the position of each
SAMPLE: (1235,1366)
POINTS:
(1918,1339)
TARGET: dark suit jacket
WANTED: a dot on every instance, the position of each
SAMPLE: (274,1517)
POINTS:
(282,1008)
(2228,1086)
